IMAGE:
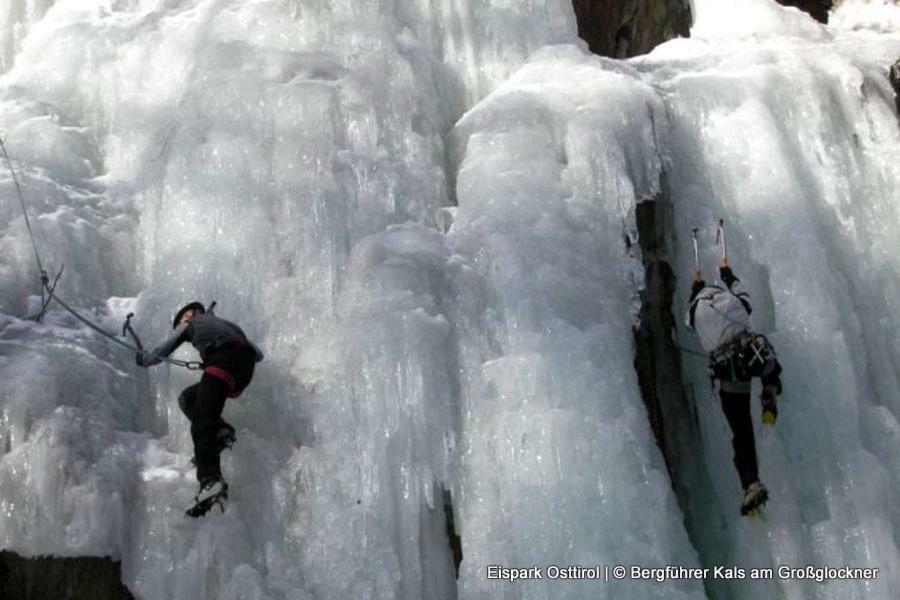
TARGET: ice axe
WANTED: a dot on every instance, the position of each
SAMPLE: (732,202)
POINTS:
(696,251)
(127,328)
(720,237)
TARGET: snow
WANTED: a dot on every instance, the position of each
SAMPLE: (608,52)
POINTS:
(418,210)
(875,15)
(743,19)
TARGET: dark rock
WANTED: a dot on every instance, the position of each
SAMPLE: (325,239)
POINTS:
(895,82)
(624,28)
(670,400)
(452,536)
(817,8)
(47,577)
(670,409)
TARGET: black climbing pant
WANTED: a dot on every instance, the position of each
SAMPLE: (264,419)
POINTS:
(734,374)
(202,404)
(736,407)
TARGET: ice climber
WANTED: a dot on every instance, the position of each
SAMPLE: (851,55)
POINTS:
(721,318)
(228,362)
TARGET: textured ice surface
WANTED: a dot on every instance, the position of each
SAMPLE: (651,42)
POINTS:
(286,159)
(558,462)
(16,19)
(794,140)
(265,154)
(290,159)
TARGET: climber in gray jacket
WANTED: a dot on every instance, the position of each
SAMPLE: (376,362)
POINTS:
(229,359)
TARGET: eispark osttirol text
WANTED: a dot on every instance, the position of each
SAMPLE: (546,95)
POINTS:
(607,573)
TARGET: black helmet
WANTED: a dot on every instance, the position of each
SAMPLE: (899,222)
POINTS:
(184,309)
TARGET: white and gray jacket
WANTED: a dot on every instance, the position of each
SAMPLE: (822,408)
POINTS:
(717,314)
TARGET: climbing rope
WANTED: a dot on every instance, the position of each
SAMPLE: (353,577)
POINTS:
(694,352)
(12,172)
(51,289)
(44,278)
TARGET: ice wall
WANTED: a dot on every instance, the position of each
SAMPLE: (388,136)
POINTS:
(289,159)
(560,466)
(786,129)
(285,159)
(791,136)
(16,19)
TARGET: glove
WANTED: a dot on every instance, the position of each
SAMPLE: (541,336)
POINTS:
(770,405)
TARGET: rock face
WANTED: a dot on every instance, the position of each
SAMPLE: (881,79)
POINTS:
(817,8)
(670,402)
(624,28)
(47,577)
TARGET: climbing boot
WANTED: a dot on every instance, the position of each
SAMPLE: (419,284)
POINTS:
(755,496)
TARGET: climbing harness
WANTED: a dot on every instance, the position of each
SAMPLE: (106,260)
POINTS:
(222,374)
(761,349)
(51,289)
(747,356)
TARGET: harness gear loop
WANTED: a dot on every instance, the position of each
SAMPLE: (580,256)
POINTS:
(746,356)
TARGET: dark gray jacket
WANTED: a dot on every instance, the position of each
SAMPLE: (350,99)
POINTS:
(205,332)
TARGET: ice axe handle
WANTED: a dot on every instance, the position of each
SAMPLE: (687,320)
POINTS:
(127,328)
(720,235)
(696,251)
